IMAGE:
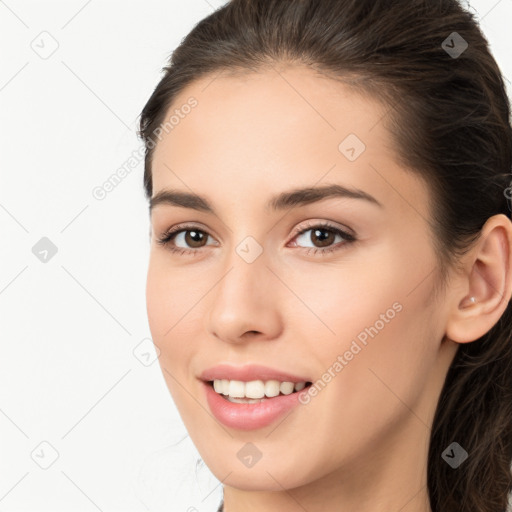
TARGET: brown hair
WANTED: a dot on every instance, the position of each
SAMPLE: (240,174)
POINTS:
(450,120)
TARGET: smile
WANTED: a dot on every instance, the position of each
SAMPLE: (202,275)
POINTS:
(254,391)
(244,413)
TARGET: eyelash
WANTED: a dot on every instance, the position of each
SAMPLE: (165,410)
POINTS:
(170,234)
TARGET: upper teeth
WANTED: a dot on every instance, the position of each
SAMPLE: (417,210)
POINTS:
(255,388)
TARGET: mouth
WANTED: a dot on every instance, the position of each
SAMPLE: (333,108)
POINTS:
(253,396)
(255,391)
(245,413)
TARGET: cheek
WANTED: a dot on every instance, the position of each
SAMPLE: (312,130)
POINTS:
(377,343)
(389,376)
(166,305)
(168,293)
(359,300)
(168,302)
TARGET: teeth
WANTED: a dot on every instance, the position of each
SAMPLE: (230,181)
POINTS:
(255,389)
(237,391)
(286,388)
(272,388)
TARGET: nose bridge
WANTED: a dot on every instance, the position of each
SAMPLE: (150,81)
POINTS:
(246,260)
(247,275)
(244,298)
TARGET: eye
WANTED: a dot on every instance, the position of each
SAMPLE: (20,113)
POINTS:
(192,236)
(322,237)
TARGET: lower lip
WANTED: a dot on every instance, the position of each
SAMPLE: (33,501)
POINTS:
(250,416)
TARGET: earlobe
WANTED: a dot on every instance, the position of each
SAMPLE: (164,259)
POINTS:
(487,283)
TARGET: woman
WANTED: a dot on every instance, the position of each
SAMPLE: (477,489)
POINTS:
(331,254)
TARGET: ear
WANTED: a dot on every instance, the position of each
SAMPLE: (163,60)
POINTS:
(487,277)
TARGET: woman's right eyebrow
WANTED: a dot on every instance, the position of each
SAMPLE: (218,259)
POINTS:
(283,201)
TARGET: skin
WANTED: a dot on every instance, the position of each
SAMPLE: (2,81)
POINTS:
(361,443)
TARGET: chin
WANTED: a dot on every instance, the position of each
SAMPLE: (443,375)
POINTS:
(260,477)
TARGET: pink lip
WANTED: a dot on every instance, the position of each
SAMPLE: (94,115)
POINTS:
(250,416)
(255,415)
(249,372)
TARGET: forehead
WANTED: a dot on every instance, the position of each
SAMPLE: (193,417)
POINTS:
(273,108)
(276,129)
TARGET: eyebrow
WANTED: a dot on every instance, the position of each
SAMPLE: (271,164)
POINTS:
(288,199)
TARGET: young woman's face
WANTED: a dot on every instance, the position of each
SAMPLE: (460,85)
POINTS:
(352,313)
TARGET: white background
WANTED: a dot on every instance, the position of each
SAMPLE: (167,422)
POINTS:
(72,329)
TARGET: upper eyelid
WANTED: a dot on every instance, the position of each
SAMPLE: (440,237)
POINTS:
(322,224)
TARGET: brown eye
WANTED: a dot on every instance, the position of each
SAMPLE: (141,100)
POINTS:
(325,237)
(189,241)
(194,238)
(321,236)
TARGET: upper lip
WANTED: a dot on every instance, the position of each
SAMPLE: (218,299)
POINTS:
(248,373)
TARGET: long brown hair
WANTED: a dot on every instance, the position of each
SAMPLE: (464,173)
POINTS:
(450,120)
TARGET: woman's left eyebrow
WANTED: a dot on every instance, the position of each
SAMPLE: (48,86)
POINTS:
(285,200)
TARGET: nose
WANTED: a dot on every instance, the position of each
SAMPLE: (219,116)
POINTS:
(244,305)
